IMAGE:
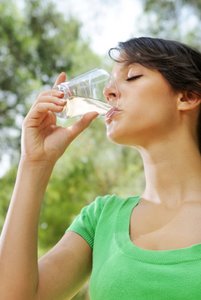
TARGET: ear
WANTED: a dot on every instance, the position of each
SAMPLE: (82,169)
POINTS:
(188,101)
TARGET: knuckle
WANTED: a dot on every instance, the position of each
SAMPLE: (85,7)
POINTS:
(40,95)
(25,121)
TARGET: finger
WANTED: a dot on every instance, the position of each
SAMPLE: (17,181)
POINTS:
(53,92)
(50,119)
(41,119)
(51,99)
(45,107)
(48,98)
(39,112)
(79,126)
(61,78)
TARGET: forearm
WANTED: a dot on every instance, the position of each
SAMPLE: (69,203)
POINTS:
(42,142)
(18,242)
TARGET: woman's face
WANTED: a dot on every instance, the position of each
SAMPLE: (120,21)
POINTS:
(145,106)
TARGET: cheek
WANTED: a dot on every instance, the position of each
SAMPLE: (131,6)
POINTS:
(145,117)
(156,119)
(153,117)
(155,106)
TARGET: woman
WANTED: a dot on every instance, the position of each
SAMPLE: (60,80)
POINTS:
(146,247)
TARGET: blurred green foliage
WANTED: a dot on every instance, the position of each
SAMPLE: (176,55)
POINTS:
(36,44)
(173,19)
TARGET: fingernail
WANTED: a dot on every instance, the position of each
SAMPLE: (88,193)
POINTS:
(60,93)
(63,100)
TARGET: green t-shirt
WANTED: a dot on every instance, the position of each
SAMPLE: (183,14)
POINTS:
(123,271)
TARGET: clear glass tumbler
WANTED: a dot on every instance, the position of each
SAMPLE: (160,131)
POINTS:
(84,93)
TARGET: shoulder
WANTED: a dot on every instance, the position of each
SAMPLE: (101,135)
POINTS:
(109,205)
(107,202)
(99,214)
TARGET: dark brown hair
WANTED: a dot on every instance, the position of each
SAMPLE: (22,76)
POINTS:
(178,63)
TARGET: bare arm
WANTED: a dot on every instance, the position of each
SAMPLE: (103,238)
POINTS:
(42,144)
(65,268)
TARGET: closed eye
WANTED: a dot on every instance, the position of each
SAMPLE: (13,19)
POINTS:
(133,77)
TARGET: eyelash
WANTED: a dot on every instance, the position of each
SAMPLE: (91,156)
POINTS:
(133,77)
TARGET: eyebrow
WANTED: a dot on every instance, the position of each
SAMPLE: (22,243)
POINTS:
(135,64)
(124,68)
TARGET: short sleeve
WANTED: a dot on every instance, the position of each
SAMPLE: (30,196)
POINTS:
(85,223)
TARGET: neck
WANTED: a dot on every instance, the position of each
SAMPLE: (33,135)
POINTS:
(172,174)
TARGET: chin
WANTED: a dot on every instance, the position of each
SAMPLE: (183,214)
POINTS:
(117,137)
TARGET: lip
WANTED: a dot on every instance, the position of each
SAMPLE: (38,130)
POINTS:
(113,111)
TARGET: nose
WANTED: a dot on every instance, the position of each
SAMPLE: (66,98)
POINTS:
(111,93)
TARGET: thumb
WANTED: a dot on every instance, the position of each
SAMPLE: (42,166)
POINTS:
(61,78)
(79,126)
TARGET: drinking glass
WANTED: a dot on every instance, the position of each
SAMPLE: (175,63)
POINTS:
(84,93)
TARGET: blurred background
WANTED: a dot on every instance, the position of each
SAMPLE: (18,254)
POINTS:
(39,39)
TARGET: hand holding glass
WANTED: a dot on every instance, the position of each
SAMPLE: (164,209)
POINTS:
(85,94)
